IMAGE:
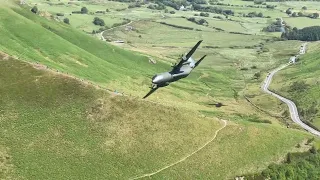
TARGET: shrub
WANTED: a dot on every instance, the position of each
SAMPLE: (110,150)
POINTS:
(98,21)
(34,9)
(84,10)
(66,20)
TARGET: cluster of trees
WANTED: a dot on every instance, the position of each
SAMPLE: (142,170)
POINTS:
(204,14)
(297,166)
(83,10)
(176,26)
(259,2)
(311,33)
(101,12)
(98,21)
(171,3)
(263,5)
(276,27)
(157,6)
(126,21)
(137,4)
(301,14)
(200,21)
(212,9)
(253,14)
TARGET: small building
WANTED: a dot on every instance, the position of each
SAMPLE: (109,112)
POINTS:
(119,41)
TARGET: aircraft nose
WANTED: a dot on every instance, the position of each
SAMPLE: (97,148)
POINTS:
(156,79)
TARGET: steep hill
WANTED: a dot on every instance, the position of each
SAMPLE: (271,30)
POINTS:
(56,127)
(61,47)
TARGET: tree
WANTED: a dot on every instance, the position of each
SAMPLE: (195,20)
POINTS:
(66,20)
(260,14)
(294,14)
(84,10)
(300,14)
(288,11)
(304,8)
(257,75)
(315,15)
(98,21)
(202,21)
(34,9)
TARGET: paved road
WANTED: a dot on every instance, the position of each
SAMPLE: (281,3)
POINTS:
(292,107)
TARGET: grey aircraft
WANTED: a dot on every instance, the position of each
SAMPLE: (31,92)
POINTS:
(179,71)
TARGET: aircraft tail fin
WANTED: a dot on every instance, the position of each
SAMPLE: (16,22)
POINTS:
(198,62)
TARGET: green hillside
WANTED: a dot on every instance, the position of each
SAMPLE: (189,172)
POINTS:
(300,82)
(54,126)
(60,47)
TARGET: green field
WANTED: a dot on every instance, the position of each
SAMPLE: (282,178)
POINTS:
(301,22)
(56,124)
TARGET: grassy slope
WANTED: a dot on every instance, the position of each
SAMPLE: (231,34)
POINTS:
(306,70)
(96,135)
(49,119)
(64,48)
(54,126)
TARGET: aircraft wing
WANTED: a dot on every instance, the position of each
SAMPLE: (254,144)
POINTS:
(186,57)
(150,92)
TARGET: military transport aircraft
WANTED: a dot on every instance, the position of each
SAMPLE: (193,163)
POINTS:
(180,70)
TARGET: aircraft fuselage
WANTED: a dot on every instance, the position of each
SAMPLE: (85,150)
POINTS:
(163,79)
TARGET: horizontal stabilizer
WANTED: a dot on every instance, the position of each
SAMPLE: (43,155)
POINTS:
(198,62)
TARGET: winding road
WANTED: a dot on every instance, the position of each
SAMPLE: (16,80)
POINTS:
(101,34)
(292,107)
